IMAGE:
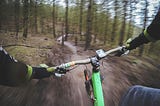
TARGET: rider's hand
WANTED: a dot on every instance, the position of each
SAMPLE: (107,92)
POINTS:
(61,70)
(40,72)
(127,44)
(121,52)
(136,42)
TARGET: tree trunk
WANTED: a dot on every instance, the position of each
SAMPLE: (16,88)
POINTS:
(106,24)
(63,38)
(42,24)
(80,20)
(106,29)
(17,13)
(114,27)
(89,26)
(66,21)
(95,25)
(35,17)
(123,27)
(54,19)
(25,18)
(130,26)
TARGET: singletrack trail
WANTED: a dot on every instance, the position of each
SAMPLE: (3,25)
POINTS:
(77,78)
(119,74)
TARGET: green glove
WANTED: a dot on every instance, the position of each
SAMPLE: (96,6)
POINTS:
(127,43)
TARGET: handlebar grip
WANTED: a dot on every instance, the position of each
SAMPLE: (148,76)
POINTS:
(51,69)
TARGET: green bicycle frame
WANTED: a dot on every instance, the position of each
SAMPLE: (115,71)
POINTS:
(97,89)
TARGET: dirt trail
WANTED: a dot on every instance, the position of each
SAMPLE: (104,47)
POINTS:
(78,75)
(119,74)
(77,78)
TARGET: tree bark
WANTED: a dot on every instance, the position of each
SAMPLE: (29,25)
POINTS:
(123,27)
(66,21)
(54,19)
(106,29)
(130,26)
(95,25)
(35,17)
(25,18)
(81,18)
(89,26)
(114,27)
(17,15)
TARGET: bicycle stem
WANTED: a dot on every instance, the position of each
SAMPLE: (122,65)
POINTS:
(95,64)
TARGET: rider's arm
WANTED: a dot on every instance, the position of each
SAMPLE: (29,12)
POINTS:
(13,72)
(151,34)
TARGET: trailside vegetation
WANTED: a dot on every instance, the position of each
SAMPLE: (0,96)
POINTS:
(104,23)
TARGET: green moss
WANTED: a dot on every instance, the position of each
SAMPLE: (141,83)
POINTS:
(33,50)
(32,56)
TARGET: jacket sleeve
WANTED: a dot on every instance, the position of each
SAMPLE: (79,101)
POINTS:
(150,34)
(12,72)
(153,30)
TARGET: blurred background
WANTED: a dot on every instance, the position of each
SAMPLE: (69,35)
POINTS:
(104,23)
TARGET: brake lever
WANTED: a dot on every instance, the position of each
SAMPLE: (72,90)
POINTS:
(58,75)
(59,72)
(125,51)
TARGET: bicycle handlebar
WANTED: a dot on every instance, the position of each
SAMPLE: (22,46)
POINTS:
(84,61)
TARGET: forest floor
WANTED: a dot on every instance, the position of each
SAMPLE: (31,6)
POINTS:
(119,73)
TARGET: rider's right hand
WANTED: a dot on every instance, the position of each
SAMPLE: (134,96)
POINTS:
(136,42)
(122,51)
